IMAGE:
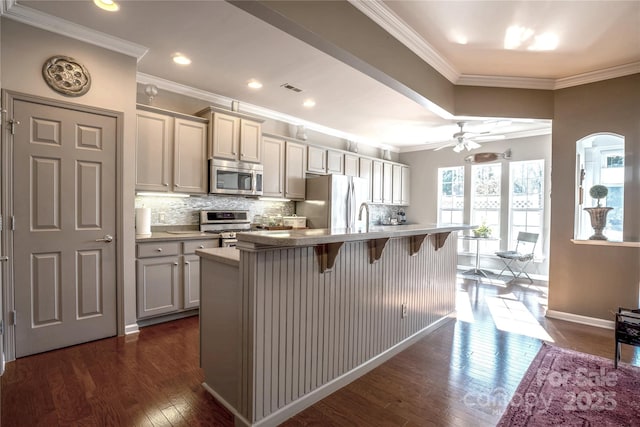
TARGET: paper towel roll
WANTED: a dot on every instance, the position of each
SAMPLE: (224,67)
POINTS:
(143,222)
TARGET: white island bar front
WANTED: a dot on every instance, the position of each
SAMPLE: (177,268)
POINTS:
(294,315)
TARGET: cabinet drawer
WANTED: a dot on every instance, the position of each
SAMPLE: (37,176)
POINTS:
(154,249)
(190,247)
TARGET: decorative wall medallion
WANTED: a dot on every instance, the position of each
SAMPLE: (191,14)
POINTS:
(66,76)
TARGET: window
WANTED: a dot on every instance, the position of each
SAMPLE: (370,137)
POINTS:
(451,195)
(485,201)
(600,160)
(526,200)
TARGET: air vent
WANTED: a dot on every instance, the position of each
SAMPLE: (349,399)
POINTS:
(291,87)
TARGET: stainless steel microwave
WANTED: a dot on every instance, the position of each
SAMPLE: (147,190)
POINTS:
(241,178)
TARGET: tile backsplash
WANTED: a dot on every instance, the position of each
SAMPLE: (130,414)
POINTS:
(185,211)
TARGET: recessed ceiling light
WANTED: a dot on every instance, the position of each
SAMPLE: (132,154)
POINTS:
(309,103)
(108,5)
(179,58)
(254,84)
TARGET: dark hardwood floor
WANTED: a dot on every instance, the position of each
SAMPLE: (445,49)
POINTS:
(462,374)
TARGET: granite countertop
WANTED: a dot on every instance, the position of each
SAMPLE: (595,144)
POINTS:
(177,235)
(229,256)
(305,237)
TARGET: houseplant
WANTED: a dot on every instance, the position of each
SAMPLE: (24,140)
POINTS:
(598,213)
(483,231)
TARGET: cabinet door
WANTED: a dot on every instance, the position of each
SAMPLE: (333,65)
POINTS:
(250,141)
(366,172)
(376,182)
(226,136)
(351,165)
(153,151)
(295,171)
(190,157)
(316,160)
(406,186)
(335,162)
(387,183)
(273,174)
(157,286)
(396,184)
(191,281)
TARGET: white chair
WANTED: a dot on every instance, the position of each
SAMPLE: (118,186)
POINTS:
(521,256)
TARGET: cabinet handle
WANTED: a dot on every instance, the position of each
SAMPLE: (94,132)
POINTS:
(201,246)
(241,154)
(165,184)
(176,185)
(186,263)
(159,250)
(175,263)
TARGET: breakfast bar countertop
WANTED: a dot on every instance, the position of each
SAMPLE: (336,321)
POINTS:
(311,237)
(229,256)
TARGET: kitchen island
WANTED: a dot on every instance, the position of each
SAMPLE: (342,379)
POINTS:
(291,316)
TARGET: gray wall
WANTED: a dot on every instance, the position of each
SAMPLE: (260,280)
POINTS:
(24,51)
(594,280)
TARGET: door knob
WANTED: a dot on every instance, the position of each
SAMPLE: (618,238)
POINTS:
(107,239)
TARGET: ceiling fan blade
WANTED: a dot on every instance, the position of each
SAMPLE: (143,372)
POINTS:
(472,145)
(442,146)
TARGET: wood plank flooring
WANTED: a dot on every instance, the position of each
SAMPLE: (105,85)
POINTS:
(462,374)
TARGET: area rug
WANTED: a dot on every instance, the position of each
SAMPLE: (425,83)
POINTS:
(567,388)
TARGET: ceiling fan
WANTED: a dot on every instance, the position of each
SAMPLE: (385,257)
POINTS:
(462,141)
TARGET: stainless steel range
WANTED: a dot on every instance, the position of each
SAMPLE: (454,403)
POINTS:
(226,223)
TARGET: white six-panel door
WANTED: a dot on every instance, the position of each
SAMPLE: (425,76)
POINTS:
(64,254)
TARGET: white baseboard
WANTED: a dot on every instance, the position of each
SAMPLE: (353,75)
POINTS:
(584,320)
(325,390)
(131,329)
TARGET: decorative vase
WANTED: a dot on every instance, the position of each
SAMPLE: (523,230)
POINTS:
(598,221)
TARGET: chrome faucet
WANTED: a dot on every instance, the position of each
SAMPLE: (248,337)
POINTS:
(364,206)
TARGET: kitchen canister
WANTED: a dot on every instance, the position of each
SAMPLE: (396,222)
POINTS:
(143,222)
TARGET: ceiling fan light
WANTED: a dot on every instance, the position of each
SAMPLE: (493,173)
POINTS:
(458,148)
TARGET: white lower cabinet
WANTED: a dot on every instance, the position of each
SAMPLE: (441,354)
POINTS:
(168,276)
(157,283)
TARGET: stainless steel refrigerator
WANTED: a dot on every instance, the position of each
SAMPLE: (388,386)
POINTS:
(333,201)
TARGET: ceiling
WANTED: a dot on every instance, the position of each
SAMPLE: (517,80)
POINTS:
(229,47)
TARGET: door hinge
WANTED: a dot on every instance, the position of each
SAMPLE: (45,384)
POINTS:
(13,318)
(13,223)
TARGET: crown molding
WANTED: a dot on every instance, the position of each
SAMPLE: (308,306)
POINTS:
(35,18)
(508,82)
(596,76)
(256,110)
(379,13)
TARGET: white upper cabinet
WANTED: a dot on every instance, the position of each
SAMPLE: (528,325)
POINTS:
(387,183)
(190,157)
(406,186)
(154,136)
(295,167)
(396,191)
(351,165)
(171,153)
(273,173)
(335,162)
(316,160)
(366,172)
(234,136)
(376,182)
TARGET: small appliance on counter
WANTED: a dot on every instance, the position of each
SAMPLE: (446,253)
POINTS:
(295,221)
(225,223)
(402,217)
